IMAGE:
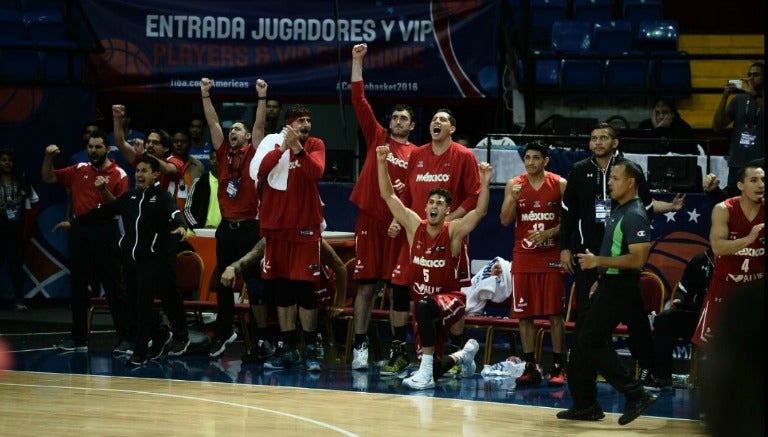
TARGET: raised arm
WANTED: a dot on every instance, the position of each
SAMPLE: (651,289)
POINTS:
(463,226)
(509,204)
(721,120)
(406,217)
(259,123)
(128,152)
(214,127)
(47,170)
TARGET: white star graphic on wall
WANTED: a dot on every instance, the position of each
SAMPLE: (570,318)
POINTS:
(693,216)
(670,216)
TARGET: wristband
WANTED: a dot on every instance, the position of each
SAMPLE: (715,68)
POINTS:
(262,98)
(207,97)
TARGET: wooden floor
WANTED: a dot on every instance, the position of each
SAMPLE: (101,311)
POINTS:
(53,404)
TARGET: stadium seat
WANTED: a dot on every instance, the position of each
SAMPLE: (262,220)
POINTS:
(656,35)
(10,10)
(53,34)
(44,10)
(627,80)
(613,36)
(543,15)
(581,74)
(547,72)
(637,11)
(13,33)
(592,10)
(571,36)
(56,66)
(672,77)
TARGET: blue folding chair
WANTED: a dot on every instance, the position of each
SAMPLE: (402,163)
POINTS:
(658,35)
(613,36)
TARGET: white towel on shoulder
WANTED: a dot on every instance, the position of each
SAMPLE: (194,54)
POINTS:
(278,177)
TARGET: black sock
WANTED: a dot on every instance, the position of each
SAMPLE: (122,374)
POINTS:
(458,340)
(401,332)
(530,358)
(557,359)
(359,340)
(310,337)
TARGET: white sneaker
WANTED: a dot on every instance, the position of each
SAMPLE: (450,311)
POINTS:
(466,357)
(419,381)
(360,357)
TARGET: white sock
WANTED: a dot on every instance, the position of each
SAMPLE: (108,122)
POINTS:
(427,364)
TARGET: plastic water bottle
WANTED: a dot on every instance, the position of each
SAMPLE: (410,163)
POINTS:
(680,381)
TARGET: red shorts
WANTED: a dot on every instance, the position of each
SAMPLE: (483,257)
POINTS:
(712,308)
(452,305)
(291,258)
(463,275)
(537,294)
(376,251)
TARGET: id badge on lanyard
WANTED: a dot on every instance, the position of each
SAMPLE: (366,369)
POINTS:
(232,187)
(602,210)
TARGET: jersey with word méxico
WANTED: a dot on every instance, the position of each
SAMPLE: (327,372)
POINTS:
(748,264)
(454,170)
(433,268)
(537,210)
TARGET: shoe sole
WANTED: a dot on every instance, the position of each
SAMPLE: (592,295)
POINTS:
(627,418)
(177,353)
(224,345)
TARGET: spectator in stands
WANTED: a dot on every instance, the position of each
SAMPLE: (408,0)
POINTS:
(441,163)
(18,213)
(201,209)
(537,277)
(199,147)
(291,217)
(93,251)
(149,250)
(272,124)
(190,172)
(666,123)
(586,209)
(746,111)
(616,293)
(238,231)
(435,246)
(737,238)
(376,250)
(680,319)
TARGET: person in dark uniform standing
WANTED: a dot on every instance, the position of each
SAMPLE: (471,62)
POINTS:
(623,253)
(153,227)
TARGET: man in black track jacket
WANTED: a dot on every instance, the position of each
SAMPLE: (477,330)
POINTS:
(153,227)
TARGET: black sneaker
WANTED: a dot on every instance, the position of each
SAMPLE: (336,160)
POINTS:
(178,347)
(590,414)
(636,407)
(124,348)
(159,345)
(259,352)
(531,376)
(71,346)
(645,378)
(219,344)
(660,384)
(137,360)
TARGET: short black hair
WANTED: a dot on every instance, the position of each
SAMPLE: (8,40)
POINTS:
(537,146)
(100,134)
(406,108)
(154,164)
(631,168)
(165,138)
(297,111)
(441,192)
(742,174)
(451,117)
(608,127)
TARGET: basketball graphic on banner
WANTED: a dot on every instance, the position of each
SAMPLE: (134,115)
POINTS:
(671,253)
(20,103)
(121,60)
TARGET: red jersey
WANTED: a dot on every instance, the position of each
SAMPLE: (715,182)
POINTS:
(455,170)
(748,264)
(432,268)
(79,178)
(235,165)
(537,210)
(298,206)
(365,194)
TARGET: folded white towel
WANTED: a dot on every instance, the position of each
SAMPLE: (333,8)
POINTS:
(278,177)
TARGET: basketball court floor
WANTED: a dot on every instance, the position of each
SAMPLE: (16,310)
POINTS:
(97,393)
